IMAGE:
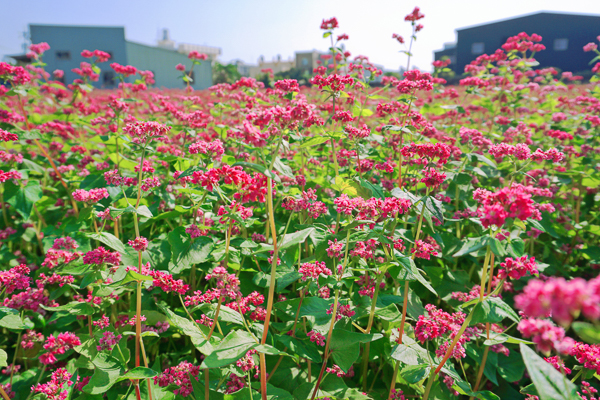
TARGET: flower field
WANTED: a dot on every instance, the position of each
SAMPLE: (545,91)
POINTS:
(339,239)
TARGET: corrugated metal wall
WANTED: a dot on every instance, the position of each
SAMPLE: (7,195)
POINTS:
(162,63)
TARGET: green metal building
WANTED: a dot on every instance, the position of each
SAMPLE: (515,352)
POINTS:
(67,42)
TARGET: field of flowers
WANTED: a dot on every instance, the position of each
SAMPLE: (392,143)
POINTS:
(338,241)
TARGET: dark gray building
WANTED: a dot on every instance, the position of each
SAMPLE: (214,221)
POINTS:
(563,34)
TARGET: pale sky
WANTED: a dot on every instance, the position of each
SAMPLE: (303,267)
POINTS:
(247,29)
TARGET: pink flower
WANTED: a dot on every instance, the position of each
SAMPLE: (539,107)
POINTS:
(15,278)
(424,250)
(139,244)
(561,299)
(314,270)
(59,381)
(517,268)
(91,197)
(108,341)
(316,337)
(101,256)
(179,376)
(58,345)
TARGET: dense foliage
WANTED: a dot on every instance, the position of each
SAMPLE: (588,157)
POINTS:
(336,241)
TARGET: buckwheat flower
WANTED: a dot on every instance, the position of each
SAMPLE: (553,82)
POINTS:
(398,395)
(449,382)
(91,197)
(108,341)
(7,136)
(247,362)
(316,337)
(546,336)
(342,311)
(335,249)
(179,376)
(166,282)
(433,178)
(287,85)
(558,363)
(517,268)
(58,345)
(194,231)
(235,383)
(588,355)
(56,388)
(139,244)
(423,250)
(101,256)
(329,24)
(30,338)
(227,284)
(314,270)
(561,299)
(415,15)
(102,323)
(195,55)
(11,369)
(399,38)
(324,292)
(15,278)
(259,238)
(141,132)
(180,67)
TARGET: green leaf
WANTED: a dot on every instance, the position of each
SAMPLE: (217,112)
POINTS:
(233,347)
(497,247)
(375,190)
(106,374)
(186,251)
(138,373)
(409,263)
(144,211)
(345,346)
(291,239)
(472,245)
(587,332)
(549,383)
(410,352)
(190,329)
(301,347)
(10,319)
(23,198)
(3,358)
(75,308)
(131,276)
(415,373)
(259,168)
(516,247)
(493,310)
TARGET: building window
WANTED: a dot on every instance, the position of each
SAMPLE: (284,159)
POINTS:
(63,55)
(452,60)
(561,44)
(108,78)
(477,48)
(304,62)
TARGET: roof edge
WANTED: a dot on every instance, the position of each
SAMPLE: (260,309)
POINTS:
(528,15)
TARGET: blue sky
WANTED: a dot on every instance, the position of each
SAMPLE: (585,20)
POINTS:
(247,29)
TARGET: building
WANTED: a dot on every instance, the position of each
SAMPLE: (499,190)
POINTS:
(67,42)
(564,36)
(277,65)
(309,60)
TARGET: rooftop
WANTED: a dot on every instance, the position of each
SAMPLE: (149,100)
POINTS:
(527,16)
